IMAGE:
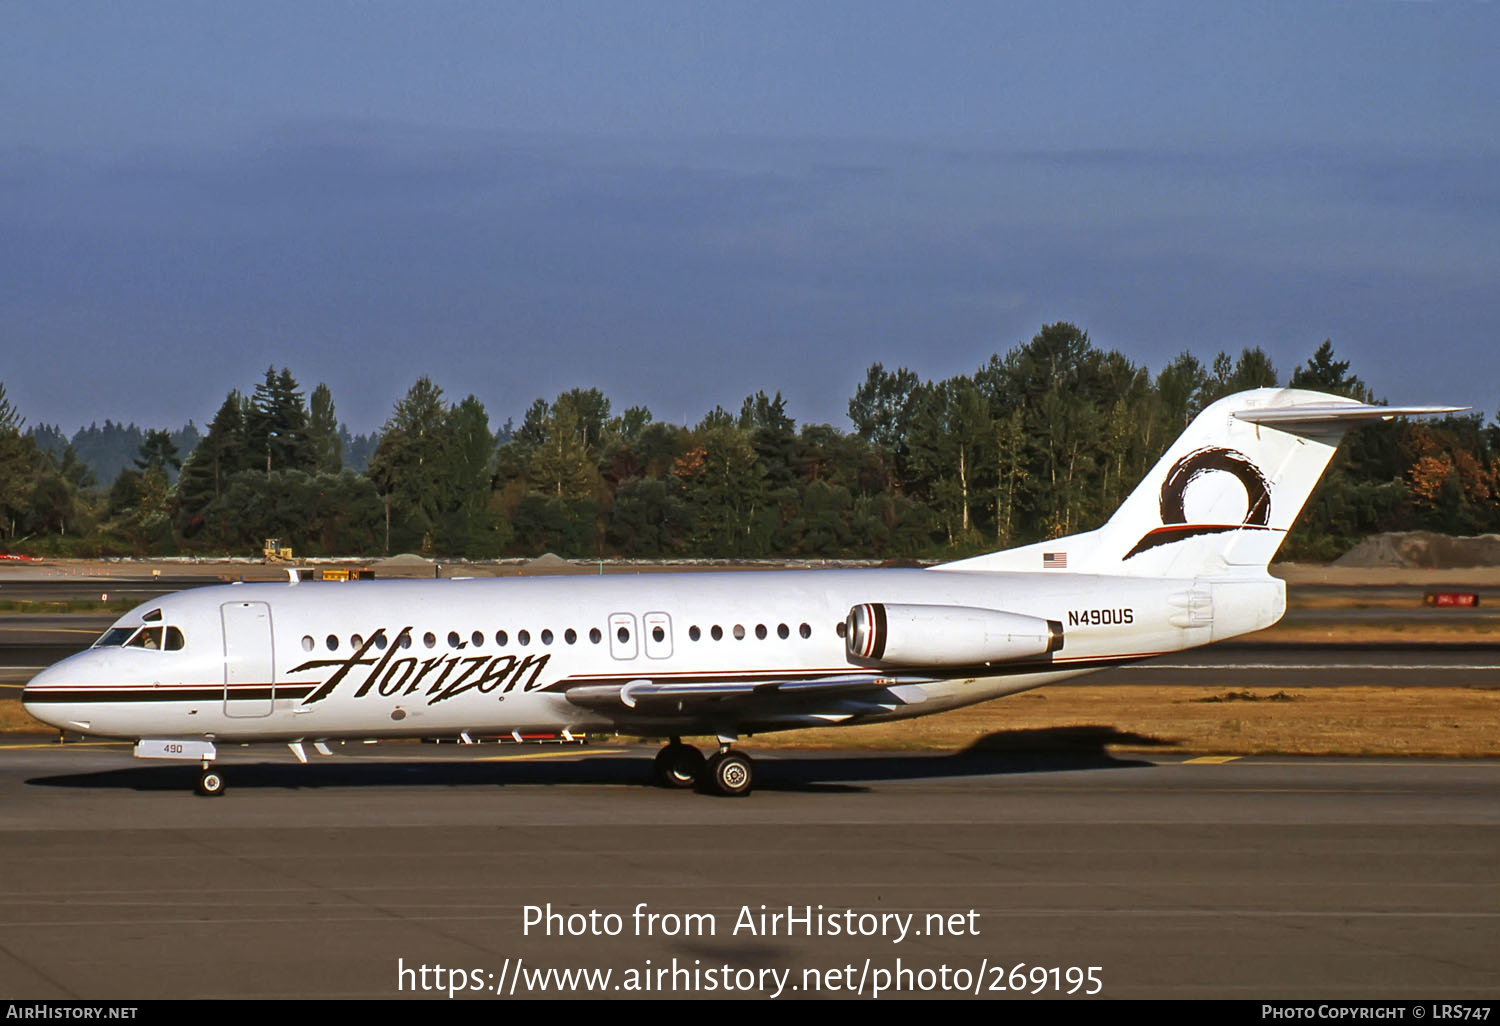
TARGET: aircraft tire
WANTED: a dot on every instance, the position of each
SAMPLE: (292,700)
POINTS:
(678,765)
(731,774)
(210,783)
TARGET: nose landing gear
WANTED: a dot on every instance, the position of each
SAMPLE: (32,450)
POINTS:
(210,782)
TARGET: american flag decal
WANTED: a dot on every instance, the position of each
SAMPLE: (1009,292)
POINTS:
(1054,560)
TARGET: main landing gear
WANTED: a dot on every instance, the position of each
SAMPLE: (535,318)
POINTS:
(678,765)
(726,772)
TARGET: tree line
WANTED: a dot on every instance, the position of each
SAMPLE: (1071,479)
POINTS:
(1044,440)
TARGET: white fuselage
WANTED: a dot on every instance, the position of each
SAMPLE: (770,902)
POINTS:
(292,662)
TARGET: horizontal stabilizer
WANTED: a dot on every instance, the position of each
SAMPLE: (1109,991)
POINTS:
(1324,414)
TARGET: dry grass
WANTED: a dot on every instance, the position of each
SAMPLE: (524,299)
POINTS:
(1418,721)
(15,719)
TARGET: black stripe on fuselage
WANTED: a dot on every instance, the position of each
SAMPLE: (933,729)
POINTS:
(261,692)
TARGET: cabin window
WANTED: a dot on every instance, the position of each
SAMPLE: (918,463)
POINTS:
(546,637)
(841,629)
(523,637)
(595,635)
(380,641)
(147,637)
(694,633)
(716,632)
(805,630)
(404,641)
(355,641)
(623,634)
(782,631)
(501,638)
(760,631)
(307,643)
(332,642)
(657,634)
(739,632)
(476,639)
(429,639)
(453,639)
(570,635)
(114,637)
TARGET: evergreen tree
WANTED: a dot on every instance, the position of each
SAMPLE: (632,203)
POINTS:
(357,450)
(221,454)
(1325,374)
(19,463)
(276,423)
(157,452)
(109,449)
(410,467)
(325,448)
(49,439)
(561,465)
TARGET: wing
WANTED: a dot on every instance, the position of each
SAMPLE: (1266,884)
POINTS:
(829,699)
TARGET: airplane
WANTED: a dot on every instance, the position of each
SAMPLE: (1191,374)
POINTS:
(1182,562)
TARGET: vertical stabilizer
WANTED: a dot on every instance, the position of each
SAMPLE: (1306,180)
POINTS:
(1221,500)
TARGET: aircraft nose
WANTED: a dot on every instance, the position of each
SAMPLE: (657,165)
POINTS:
(40,697)
(47,677)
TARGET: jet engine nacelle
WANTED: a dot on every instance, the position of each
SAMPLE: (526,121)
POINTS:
(911,635)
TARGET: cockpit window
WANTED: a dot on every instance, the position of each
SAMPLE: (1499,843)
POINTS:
(146,637)
(114,637)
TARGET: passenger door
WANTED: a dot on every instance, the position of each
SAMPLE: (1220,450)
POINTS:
(249,659)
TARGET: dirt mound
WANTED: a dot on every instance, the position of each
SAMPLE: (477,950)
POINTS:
(549,561)
(1423,550)
(407,564)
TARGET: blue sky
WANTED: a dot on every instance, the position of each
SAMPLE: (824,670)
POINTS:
(683,203)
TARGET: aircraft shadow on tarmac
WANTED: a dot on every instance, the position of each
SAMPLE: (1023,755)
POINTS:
(1048,750)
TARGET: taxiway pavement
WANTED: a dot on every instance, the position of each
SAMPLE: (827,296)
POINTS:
(1252,878)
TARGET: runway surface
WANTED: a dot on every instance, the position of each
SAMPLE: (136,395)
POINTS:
(1237,664)
(1252,878)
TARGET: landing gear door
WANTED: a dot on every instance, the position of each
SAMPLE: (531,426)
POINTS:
(249,659)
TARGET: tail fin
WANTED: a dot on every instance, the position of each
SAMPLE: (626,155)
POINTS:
(1222,498)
